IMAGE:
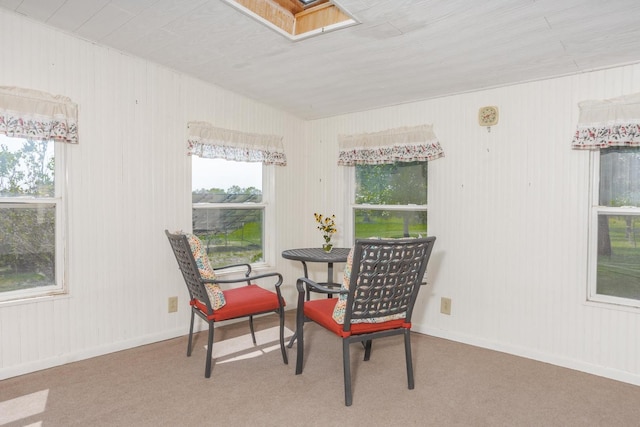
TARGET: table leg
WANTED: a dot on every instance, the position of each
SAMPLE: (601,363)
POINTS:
(329,277)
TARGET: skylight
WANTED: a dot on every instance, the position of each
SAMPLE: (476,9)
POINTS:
(296,19)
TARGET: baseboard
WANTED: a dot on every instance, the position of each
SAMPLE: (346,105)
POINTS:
(577,365)
(602,371)
(63,359)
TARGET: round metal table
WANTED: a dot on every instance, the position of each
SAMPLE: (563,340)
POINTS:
(306,255)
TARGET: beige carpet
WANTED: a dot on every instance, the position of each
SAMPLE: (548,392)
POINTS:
(242,347)
(456,385)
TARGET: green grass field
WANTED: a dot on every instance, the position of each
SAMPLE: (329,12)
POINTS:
(619,274)
(10,281)
(388,224)
(244,244)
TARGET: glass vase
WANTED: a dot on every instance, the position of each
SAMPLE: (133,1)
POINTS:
(327,247)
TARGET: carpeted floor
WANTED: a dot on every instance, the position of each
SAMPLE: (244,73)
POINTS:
(456,385)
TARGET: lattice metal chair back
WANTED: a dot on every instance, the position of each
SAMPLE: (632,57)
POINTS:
(382,280)
(189,269)
(238,302)
(387,281)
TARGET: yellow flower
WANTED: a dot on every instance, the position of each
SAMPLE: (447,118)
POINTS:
(326,224)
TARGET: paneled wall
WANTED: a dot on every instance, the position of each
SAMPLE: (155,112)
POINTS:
(509,208)
(128,181)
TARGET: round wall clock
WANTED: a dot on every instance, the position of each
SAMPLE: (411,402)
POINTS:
(488,116)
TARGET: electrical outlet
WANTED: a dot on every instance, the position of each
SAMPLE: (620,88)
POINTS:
(173,304)
(445,305)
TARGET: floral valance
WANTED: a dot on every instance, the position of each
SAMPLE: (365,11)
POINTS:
(207,141)
(406,144)
(608,123)
(36,115)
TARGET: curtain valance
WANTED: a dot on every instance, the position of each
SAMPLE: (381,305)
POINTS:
(608,123)
(207,141)
(36,115)
(406,144)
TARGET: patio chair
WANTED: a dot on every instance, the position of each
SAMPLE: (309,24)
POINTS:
(381,283)
(212,304)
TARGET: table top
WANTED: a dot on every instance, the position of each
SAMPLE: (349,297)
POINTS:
(317,254)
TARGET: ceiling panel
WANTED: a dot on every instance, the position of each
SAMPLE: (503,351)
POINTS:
(401,50)
(104,22)
(37,9)
(72,14)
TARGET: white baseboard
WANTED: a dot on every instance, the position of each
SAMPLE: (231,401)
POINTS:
(63,359)
(577,365)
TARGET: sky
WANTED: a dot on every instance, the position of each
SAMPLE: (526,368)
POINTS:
(218,173)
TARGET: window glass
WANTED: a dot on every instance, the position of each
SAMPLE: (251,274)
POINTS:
(620,177)
(391,200)
(29,217)
(228,209)
(26,168)
(617,213)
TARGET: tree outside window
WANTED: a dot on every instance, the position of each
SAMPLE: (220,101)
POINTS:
(28,215)
(228,210)
(617,221)
(391,200)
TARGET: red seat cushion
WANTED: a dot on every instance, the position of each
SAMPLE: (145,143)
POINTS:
(321,312)
(241,302)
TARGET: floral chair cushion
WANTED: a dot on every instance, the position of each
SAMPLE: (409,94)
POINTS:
(216,296)
(341,304)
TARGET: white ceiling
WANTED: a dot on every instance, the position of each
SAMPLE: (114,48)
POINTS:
(402,50)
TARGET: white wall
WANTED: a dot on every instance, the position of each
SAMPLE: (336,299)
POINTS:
(509,207)
(129,180)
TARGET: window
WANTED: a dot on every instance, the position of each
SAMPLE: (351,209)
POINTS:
(31,218)
(390,180)
(296,20)
(614,249)
(232,189)
(231,209)
(390,200)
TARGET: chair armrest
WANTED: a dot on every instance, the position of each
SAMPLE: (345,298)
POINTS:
(248,279)
(245,265)
(300,284)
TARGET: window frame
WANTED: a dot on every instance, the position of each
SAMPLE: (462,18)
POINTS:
(268,218)
(352,206)
(61,254)
(592,252)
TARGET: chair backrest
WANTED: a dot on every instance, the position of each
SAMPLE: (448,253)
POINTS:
(386,276)
(189,268)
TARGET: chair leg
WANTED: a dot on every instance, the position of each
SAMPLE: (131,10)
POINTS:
(292,340)
(299,335)
(207,369)
(346,363)
(190,335)
(367,350)
(407,351)
(282,349)
(253,334)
